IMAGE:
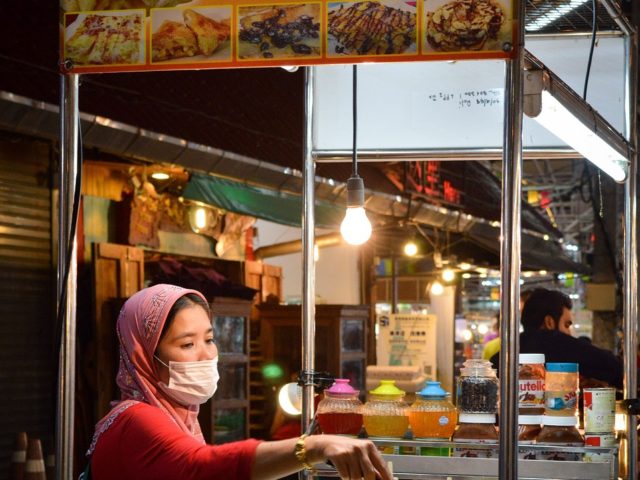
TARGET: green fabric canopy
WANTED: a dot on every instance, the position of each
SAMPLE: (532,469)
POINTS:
(271,205)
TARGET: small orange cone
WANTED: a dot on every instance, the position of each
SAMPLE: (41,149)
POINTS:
(18,457)
(34,468)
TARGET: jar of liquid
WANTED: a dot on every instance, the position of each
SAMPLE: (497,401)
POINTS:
(560,432)
(531,377)
(476,428)
(528,430)
(340,411)
(561,389)
(477,388)
(432,415)
(385,413)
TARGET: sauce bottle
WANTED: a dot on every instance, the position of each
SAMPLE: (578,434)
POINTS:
(340,411)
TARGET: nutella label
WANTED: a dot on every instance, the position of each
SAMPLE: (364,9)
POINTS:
(531,393)
(471,452)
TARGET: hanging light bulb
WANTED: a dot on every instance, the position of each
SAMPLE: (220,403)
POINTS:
(410,248)
(436,288)
(200,218)
(316,253)
(448,275)
(356,227)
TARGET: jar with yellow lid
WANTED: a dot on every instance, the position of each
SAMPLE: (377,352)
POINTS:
(385,413)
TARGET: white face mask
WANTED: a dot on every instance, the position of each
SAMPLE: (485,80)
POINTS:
(191,383)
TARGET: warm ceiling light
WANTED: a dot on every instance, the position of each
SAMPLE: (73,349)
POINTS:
(559,109)
(464,266)
(410,248)
(448,275)
(436,288)
(160,176)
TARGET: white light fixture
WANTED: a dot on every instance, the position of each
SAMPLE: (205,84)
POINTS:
(483,329)
(467,334)
(553,13)
(200,217)
(160,176)
(561,111)
(464,266)
(290,398)
(436,288)
(290,68)
(448,275)
(410,248)
(356,227)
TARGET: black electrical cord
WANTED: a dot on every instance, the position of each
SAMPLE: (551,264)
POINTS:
(594,29)
(354,158)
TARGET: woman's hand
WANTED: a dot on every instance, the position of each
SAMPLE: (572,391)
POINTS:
(352,458)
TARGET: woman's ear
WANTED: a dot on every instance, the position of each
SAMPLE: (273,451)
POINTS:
(549,323)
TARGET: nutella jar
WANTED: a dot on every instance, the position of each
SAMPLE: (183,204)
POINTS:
(560,432)
(476,428)
(531,384)
(528,430)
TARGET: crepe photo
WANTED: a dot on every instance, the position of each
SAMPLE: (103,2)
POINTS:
(466,25)
(190,35)
(279,31)
(113,38)
(371,28)
(90,5)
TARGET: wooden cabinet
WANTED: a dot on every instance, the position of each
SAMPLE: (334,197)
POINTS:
(341,339)
(225,418)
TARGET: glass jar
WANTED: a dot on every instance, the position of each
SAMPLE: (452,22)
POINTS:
(561,389)
(476,428)
(477,388)
(531,384)
(528,430)
(432,415)
(560,432)
(340,411)
(385,413)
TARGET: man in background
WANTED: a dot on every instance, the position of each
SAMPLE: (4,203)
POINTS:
(546,320)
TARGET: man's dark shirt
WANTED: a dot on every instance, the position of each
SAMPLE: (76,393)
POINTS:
(559,347)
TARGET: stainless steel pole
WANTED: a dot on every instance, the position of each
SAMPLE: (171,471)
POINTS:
(630,254)
(510,254)
(308,233)
(69,132)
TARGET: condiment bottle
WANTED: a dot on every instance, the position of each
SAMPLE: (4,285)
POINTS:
(561,389)
(528,430)
(340,411)
(476,428)
(432,415)
(477,388)
(560,432)
(531,384)
(385,413)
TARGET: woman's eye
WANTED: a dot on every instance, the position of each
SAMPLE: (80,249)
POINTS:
(211,340)
(187,345)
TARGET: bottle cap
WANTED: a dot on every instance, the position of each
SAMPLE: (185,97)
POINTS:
(529,419)
(341,387)
(387,388)
(432,390)
(477,418)
(571,421)
(562,367)
(531,358)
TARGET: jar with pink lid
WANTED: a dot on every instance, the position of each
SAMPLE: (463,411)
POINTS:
(340,411)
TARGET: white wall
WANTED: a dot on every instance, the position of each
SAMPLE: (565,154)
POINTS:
(337,278)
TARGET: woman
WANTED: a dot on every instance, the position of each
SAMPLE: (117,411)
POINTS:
(168,367)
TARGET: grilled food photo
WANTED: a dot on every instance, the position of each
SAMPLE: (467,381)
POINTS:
(87,5)
(279,31)
(464,25)
(371,28)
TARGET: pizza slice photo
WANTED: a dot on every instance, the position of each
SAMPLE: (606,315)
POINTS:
(173,40)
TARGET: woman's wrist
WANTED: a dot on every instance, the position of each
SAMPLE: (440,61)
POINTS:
(313,449)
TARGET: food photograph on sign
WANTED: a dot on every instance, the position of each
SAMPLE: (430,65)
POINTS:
(190,35)
(371,28)
(87,5)
(268,32)
(99,38)
(466,25)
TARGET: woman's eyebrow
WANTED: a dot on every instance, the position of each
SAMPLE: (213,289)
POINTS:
(192,334)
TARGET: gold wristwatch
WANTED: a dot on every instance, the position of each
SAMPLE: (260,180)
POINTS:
(301,452)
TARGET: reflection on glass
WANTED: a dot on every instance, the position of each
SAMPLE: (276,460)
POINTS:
(354,371)
(229,425)
(353,335)
(232,382)
(229,333)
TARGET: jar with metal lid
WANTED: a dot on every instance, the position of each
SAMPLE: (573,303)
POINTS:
(531,376)
(385,413)
(561,389)
(477,388)
(560,432)
(432,415)
(340,411)
(475,428)
(528,430)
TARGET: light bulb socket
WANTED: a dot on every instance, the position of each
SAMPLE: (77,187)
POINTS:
(355,192)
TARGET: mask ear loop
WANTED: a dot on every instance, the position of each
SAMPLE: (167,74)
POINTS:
(158,358)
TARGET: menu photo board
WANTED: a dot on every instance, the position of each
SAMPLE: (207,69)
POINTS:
(137,35)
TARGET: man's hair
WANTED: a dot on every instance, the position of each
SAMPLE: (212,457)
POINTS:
(543,302)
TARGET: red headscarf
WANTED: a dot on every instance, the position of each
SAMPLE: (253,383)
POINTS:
(139,327)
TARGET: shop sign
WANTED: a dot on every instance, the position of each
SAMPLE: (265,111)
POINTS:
(137,35)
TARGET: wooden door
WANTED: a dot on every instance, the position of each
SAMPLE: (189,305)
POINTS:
(118,273)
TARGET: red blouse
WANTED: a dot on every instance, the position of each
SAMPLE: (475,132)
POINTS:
(144,442)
